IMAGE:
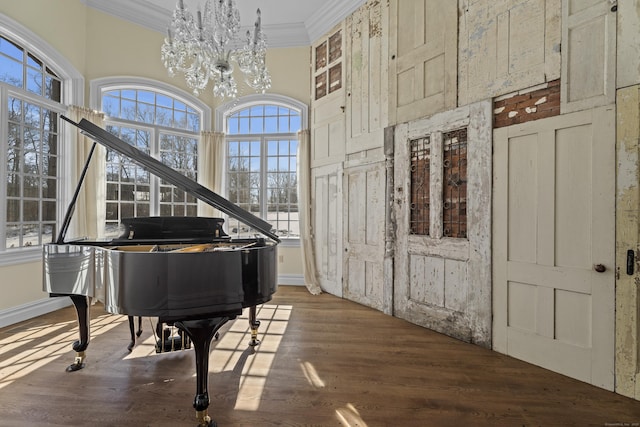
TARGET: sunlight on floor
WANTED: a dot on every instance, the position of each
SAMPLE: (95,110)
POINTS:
(350,417)
(253,367)
(231,353)
(45,343)
(312,375)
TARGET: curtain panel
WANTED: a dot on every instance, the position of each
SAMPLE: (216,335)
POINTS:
(304,200)
(211,168)
(90,210)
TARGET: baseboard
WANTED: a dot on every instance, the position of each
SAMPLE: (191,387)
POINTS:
(291,279)
(30,310)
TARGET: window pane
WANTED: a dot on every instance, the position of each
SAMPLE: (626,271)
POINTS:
(420,167)
(244,125)
(284,124)
(127,210)
(164,101)
(53,88)
(146,96)
(10,49)
(257,125)
(193,122)
(48,211)
(34,62)
(295,123)
(11,72)
(34,81)
(146,112)
(128,94)
(271,124)
(31,210)
(128,109)
(111,106)
(270,110)
(164,116)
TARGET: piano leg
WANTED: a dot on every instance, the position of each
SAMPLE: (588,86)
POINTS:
(254,324)
(81,303)
(134,333)
(201,333)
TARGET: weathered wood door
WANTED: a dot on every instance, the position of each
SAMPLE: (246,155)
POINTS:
(423,49)
(588,54)
(554,272)
(326,199)
(364,234)
(442,179)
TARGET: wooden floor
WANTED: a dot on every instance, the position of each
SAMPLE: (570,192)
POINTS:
(323,361)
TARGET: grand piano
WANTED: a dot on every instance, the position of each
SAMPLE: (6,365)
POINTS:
(186,272)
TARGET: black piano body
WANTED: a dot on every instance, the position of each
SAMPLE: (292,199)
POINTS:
(184,270)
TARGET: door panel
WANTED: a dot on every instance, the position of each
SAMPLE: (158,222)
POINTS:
(553,222)
(367,76)
(423,69)
(506,46)
(326,199)
(364,246)
(442,268)
(588,54)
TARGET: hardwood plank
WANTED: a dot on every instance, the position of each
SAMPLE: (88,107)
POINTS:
(323,361)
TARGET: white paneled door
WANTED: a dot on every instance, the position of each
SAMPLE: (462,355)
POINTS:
(553,229)
(364,232)
(326,198)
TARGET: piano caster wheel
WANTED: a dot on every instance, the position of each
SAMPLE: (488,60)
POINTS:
(205,420)
(130,346)
(78,364)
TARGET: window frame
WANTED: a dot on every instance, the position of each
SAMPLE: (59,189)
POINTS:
(72,93)
(232,107)
(104,85)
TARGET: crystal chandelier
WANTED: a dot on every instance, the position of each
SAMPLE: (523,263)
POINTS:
(204,48)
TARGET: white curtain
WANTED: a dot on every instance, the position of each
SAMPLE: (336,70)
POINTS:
(211,168)
(304,201)
(89,216)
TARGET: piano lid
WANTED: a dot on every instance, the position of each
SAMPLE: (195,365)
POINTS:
(165,172)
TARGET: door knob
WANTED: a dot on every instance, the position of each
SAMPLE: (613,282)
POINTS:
(600,268)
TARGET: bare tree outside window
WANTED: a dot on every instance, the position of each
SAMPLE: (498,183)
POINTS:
(163,127)
(261,167)
(31,153)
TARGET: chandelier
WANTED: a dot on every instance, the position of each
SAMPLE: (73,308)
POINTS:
(204,48)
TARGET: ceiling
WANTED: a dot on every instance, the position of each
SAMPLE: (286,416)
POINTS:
(287,23)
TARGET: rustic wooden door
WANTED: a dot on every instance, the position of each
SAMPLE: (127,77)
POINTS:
(364,234)
(326,199)
(588,54)
(554,275)
(423,41)
(442,180)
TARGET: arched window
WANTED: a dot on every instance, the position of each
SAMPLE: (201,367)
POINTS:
(161,122)
(261,173)
(35,84)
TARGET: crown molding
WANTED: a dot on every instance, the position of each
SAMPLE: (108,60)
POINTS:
(330,14)
(137,11)
(156,18)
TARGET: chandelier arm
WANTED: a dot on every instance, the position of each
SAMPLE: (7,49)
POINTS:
(205,47)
